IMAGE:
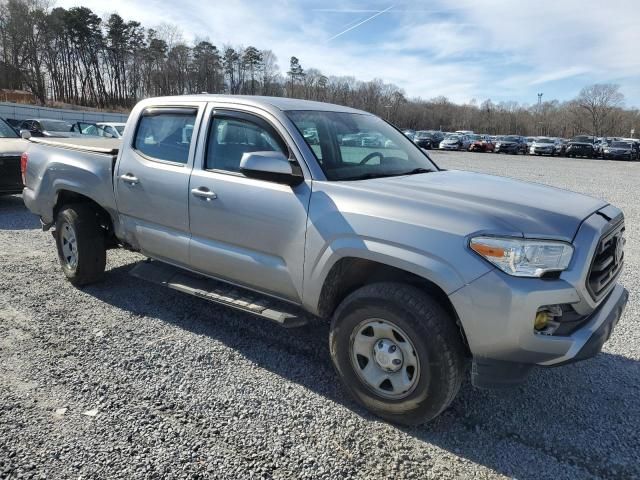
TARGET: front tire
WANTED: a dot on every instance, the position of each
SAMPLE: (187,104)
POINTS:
(397,352)
(81,244)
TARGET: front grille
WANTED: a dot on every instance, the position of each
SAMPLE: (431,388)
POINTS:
(607,261)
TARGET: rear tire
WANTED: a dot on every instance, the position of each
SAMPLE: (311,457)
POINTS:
(431,368)
(81,244)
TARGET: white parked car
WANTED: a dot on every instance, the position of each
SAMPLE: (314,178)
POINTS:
(111,129)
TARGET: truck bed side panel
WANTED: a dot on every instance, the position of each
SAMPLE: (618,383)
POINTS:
(51,170)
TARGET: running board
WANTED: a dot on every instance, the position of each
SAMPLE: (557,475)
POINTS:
(223,293)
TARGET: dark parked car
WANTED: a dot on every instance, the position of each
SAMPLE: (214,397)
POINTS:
(620,151)
(428,139)
(581,146)
(511,144)
(11,148)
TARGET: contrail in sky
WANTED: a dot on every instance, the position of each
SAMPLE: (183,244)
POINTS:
(360,23)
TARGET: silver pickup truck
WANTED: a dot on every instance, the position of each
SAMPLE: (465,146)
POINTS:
(294,210)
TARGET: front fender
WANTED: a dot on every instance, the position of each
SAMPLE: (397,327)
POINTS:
(423,264)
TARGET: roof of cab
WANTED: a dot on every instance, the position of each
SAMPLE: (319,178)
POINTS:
(268,103)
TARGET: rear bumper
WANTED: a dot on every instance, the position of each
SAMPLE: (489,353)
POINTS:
(10,189)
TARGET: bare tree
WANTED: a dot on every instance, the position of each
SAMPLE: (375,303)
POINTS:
(600,101)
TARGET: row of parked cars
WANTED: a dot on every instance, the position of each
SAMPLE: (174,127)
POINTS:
(45,127)
(12,145)
(615,148)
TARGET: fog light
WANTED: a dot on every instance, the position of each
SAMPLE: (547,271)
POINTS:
(542,320)
(546,322)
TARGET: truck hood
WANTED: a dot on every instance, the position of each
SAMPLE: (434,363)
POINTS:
(485,203)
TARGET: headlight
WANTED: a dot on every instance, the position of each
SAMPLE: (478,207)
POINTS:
(606,150)
(523,258)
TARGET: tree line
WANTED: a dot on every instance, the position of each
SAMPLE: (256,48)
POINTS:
(73,56)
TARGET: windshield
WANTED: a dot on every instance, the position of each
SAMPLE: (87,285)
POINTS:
(510,138)
(119,129)
(475,138)
(353,146)
(55,126)
(6,131)
(544,140)
(583,139)
(620,145)
(452,137)
(424,135)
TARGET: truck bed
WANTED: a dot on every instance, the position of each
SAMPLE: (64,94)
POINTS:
(107,146)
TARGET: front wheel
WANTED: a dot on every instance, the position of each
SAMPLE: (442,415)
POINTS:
(81,244)
(397,351)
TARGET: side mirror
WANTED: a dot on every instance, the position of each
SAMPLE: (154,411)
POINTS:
(26,134)
(269,166)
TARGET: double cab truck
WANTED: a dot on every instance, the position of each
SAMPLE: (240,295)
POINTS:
(419,270)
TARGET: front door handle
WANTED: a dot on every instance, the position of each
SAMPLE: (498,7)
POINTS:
(204,193)
(129,178)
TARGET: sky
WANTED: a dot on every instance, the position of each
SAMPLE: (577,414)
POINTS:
(499,49)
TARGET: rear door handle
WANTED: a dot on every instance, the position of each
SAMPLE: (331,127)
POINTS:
(204,193)
(129,178)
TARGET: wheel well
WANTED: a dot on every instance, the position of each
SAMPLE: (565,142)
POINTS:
(349,274)
(66,197)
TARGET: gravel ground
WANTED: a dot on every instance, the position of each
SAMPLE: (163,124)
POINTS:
(181,388)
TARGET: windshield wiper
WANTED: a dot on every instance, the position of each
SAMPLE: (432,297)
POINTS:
(417,170)
(368,176)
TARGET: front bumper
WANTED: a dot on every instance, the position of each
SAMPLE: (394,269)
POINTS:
(617,156)
(541,151)
(497,313)
(508,149)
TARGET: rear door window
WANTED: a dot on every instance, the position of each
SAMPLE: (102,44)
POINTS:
(165,133)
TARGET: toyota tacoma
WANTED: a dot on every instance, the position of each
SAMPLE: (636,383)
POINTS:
(419,271)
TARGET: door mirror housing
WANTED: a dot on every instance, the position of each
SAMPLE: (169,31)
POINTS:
(26,134)
(270,166)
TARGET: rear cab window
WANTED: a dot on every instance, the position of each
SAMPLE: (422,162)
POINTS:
(164,133)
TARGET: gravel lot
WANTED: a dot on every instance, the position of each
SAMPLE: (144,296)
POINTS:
(187,389)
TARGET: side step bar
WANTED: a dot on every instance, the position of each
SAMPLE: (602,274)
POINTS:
(220,292)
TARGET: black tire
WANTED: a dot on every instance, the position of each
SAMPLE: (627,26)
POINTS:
(90,244)
(437,344)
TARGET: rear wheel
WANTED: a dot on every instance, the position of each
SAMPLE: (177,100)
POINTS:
(81,244)
(397,351)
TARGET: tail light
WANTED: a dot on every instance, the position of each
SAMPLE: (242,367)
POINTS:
(24,158)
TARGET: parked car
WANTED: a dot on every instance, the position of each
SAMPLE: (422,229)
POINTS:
(529,141)
(410,134)
(514,144)
(111,129)
(86,128)
(543,146)
(11,148)
(428,139)
(581,146)
(481,143)
(560,147)
(48,128)
(454,142)
(416,269)
(620,150)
